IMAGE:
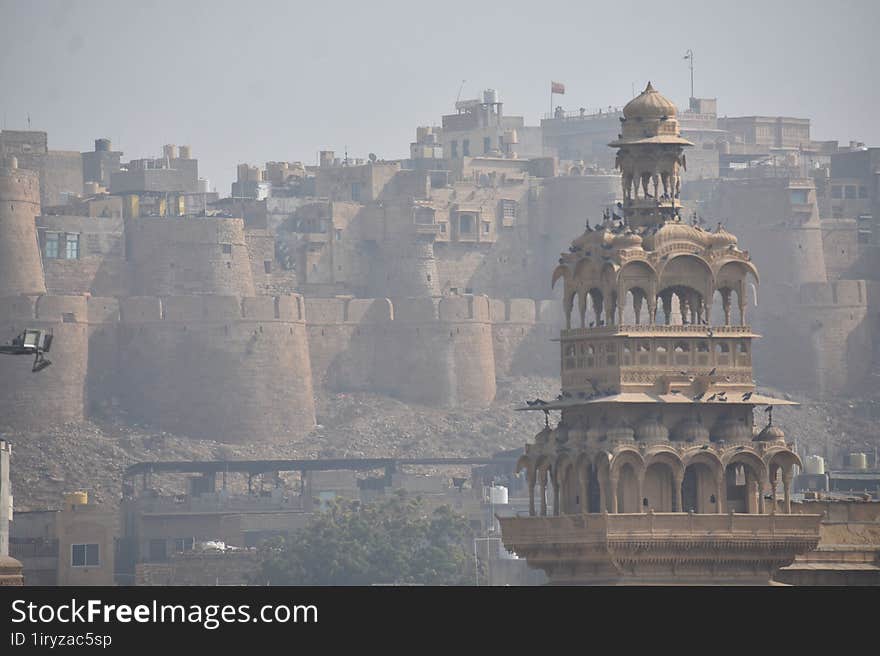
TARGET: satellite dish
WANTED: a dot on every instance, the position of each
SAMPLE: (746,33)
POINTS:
(373,157)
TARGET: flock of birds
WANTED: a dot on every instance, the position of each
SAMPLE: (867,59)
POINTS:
(720,396)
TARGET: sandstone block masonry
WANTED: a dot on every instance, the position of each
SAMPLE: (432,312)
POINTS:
(437,351)
(227,368)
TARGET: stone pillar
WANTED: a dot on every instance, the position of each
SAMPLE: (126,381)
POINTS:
(637,306)
(584,485)
(725,304)
(530,477)
(676,498)
(666,299)
(556,483)
(641,490)
(787,475)
(612,481)
(542,485)
(719,489)
(773,477)
(582,309)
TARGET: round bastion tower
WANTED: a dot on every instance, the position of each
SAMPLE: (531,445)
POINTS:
(21,269)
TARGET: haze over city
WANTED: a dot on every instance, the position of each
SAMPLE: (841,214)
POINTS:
(281,80)
(355,294)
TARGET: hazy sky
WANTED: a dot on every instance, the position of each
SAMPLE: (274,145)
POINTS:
(256,81)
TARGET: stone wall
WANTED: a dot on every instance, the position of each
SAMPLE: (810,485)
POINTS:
(201,568)
(221,367)
(33,400)
(21,271)
(101,268)
(436,351)
(193,256)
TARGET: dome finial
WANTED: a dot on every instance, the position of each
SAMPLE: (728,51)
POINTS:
(648,88)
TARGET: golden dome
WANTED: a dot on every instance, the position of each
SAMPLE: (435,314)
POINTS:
(627,240)
(651,430)
(649,104)
(721,238)
(770,433)
(675,231)
(691,430)
(731,430)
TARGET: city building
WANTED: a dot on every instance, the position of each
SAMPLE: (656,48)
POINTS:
(73,546)
(10,568)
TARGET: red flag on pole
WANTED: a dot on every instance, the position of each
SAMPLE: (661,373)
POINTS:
(557,87)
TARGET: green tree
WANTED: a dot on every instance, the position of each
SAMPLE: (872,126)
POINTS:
(395,541)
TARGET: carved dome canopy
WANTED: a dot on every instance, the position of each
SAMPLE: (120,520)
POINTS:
(770,433)
(649,104)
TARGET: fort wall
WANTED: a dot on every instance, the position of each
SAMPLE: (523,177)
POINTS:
(31,400)
(173,257)
(841,336)
(21,270)
(220,367)
(436,351)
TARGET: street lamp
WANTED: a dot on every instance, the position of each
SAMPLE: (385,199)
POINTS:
(487,540)
(689,55)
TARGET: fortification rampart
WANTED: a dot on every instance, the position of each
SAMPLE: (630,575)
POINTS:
(21,270)
(437,351)
(30,400)
(840,333)
(172,257)
(226,368)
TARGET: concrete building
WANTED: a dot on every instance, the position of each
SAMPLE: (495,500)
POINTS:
(657,445)
(73,546)
(10,568)
(480,127)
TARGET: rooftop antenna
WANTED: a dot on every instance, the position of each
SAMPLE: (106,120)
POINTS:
(458,97)
(29,120)
(689,55)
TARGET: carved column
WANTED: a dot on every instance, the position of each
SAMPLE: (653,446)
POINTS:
(641,490)
(787,475)
(583,479)
(530,476)
(719,489)
(613,480)
(725,304)
(557,481)
(676,500)
(666,299)
(684,306)
(542,486)
(582,308)
(741,298)
(637,306)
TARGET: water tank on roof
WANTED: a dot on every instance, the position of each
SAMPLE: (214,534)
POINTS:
(169,151)
(498,495)
(76,499)
(858,460)
(103,146)
(815,465)
(490,96)
(186,152)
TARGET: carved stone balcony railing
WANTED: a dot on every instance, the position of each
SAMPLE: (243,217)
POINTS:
(661,547)
(658,330)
